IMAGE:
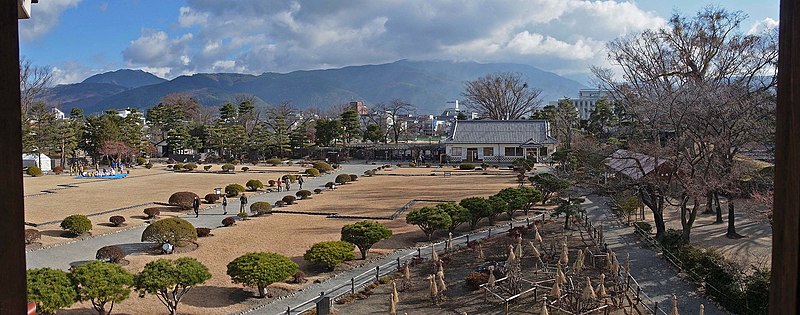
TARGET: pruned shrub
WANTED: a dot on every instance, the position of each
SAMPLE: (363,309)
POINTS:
(303,194)
(317,191)
(34,171)
(261,208)
(203,232)
(299,277)
(117,220)
(178,167)
(474,280)
(190,166)
(243,215)
(342,179)
(229,221)
(228,167)
(234,190)
(289,199)
(245,168)
(32,235)
(236,161)
(279,204)
(58,169)
(170,166)
(111,253)
(369,173)
(353,177)
(211,198)
(313,172)
(260,270)
(254,184)
(323,167)
(183,199)
(412,164)
(141,161)
(76,224)
(330,253)
(428,165)
(274,161)
(169,230)
(292,178)
(207,167)
(148,166)
(466,166)
(271,182)
(152,213)
(329,184)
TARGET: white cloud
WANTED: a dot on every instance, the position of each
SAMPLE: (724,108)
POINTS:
(762,26)
(44,16)
(156,50)
(527,43)
(189,17)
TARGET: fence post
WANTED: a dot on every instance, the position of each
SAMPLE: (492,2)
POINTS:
(377,273)
(655,311)
(528,221)
(352,285)
(288,310)
(490,233)
(419,252)
(468,239)
(398,264)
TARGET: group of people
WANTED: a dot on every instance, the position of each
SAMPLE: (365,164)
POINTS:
(285,181)
(282,181)
(82,169)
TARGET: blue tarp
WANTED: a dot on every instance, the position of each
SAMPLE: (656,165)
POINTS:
(104,177)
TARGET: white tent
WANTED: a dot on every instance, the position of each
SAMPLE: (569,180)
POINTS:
(33,160)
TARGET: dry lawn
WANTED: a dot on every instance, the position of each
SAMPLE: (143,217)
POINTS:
(292,234)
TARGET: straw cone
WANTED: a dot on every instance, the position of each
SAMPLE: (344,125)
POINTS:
(674,305)
(434,256)
(480,252)
(535,252)
(392,305)
(449,241)
(490,282)
(519,248)
(601,288)
(434,288)
(702,309)
(538,237)
(440,270)
(562,278)
(628,263)
(394,292)
(588,291)
(555,292)
(544,308)
(564,255)
(406,272)
(565,243)
(609,261)
(578,262)
(440,280)
(511,256)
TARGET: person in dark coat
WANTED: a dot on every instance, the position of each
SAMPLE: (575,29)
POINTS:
(196,206)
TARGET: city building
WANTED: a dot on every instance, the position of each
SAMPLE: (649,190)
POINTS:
(499,141)
(586,100)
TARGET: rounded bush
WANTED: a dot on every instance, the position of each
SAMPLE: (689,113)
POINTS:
(243,215)
(190,166)
(117,220)
(32,235)
(178,166)
(353,177)
(323,167)
(141,161)
(207,167)
(317,191)
(170,230)
(245,168)
(111,253)
(234,190)
(274,161)
(183,199)
(34,171)
(211,198)
(369,173)
(148,166)
(280,203)
(260,270)
(203,232)
(229,221)
(299,277)
(313,172)
(254,184)
(228,167)
(329,184)
(303,194)
(289,199)
(412,164)
(170,166)
(474,280)
(342,179)
(77,224)
(271,183)
(152,213)
(58,169)
(236,161)
(330,253)
(261,208)
(466,166)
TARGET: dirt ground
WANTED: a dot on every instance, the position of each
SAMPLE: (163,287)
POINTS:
(292,234)
(136,191)
(415,296)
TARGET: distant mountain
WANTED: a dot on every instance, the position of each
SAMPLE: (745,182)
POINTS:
(426,84)
(126,78)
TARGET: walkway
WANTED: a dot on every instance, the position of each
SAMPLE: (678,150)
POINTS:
(657,277)
(62,256)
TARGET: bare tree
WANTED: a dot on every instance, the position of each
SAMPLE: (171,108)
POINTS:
(396,115)
(698,90)
(502,96)
(34,80)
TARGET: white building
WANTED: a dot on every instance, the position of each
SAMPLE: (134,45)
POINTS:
(34,160)
(499,141)
(586,100)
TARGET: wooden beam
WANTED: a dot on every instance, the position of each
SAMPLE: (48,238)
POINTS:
(785,241)
(12,244)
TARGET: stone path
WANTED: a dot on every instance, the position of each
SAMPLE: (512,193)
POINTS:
(657,277)
(62,256)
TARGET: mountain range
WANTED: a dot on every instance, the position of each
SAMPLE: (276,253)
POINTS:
(426,84)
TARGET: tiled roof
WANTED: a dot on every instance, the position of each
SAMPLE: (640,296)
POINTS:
(500,131)
(632,164)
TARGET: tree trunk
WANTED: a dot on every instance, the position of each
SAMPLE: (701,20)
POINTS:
(687,219)
(709,203)
(732,222)
(719,208)
(262,291)
(363,252)
(566,221)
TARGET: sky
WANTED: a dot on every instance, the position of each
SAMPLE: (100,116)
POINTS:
(80,38)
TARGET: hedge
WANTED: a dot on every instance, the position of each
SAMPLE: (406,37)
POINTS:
(274,161)
(330,253)
(234,190)
(34,171)
(313,172)
(77,224)
(323,167)
(261,208)
(111,253)
(211,198)
(117,220)
(254,185)
(170,230)
(342,179)
(183,199)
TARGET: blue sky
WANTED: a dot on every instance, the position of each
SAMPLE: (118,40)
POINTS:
(79,38)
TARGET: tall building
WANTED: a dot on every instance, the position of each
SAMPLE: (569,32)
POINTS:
(359,107)
(587,98)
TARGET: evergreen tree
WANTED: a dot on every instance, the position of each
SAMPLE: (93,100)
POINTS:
(351,127)
(227,113)
(373,133)
(328,130)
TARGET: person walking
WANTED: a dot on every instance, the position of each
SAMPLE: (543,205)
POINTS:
(224,204)
(300,181)
(286,179)
(280,185)
(196,206)
(243,201)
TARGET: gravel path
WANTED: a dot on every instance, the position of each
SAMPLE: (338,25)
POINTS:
(657,277)
(62,256)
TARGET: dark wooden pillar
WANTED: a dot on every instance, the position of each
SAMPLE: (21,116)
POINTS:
(785,242)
